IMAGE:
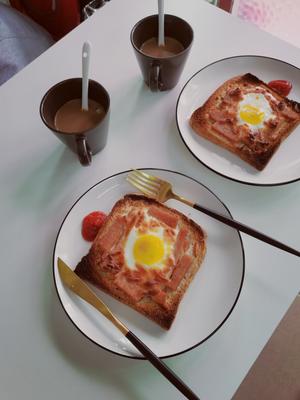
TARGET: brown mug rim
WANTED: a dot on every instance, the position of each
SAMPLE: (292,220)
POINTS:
(160,58)
(71,133)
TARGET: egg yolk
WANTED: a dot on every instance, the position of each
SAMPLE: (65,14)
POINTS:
(148,249)
(252,115)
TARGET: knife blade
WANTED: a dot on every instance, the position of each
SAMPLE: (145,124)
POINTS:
(78,286)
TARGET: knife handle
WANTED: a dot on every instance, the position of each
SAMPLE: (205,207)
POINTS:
(78,286)
(161,366)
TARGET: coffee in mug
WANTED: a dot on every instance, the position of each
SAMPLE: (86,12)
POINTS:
(171,47)
(83,131)
(71,118)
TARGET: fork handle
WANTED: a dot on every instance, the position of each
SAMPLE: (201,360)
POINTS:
(246,229)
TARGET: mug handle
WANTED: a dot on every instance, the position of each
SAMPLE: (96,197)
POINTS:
(154,77)
(83,151)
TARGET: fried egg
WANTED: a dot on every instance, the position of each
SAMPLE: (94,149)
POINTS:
(254,110)
(149,248)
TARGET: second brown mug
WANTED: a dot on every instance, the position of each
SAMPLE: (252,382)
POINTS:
(161,73)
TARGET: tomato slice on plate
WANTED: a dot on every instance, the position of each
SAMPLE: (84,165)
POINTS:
(91,224)
(281,86)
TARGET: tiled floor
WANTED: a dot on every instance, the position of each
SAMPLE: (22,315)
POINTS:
(276,373)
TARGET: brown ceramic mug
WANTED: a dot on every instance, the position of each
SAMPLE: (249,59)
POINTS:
(87,142)
(161,73)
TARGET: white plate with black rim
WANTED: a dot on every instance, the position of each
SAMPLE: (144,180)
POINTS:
(206,305)
(284,166)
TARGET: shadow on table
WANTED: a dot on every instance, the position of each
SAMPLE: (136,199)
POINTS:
(42,186)
(85,356)
(134,95)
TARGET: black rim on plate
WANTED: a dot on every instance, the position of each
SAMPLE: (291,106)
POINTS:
(202,162)
(170,355)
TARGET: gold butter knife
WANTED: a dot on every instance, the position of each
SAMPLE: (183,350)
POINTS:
(78,286)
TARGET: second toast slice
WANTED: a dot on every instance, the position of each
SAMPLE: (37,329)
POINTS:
(247,117)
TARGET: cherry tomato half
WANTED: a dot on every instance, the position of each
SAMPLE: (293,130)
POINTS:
(91,224)
(281,86)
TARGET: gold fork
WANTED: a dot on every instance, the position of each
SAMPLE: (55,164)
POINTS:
(162,191)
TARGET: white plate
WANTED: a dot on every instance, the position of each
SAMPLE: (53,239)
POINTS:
(284,167)
(206,305)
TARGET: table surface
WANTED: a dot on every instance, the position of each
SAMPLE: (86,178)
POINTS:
(42,355)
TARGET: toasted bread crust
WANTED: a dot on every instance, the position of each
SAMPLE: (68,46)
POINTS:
(256,149)
(92,269)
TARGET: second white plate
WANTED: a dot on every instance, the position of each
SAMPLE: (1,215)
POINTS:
(284,167)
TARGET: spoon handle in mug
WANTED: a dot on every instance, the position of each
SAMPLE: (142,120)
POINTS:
(161,23)
(86,50)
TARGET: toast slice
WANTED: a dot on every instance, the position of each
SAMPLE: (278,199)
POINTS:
(145,255)
(248,118)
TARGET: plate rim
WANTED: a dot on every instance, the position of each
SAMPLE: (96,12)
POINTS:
(201,161)
(142,357)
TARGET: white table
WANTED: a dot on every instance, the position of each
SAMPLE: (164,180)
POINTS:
(42,355)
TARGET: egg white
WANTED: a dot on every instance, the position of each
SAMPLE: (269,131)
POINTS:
(259,101)
(130,242)
(134,234)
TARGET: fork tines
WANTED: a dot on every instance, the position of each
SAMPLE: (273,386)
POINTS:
(147,184)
